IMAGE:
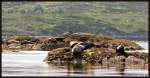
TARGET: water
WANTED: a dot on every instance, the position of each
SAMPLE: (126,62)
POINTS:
(30,63)
(143,44)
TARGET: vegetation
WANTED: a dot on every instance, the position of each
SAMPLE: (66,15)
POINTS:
(54,18)
(106,41)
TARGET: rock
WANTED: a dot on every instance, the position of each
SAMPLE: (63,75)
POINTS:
(92,48)
(95,56)
(36,47)
(146,65)
(59,53)
(25,42)
(102,41)
(135,62)
(120,58)
(59,38)
(138,55)
(64,39)
(49,44)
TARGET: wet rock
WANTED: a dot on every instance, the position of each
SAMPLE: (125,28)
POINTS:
(59,53)
(120,58)
(138,55)
(92,48)
(146,66)
(59,39)
(98,55)
(95,56)
(135,62)
(102,41)
(25,42)
(49,44)
(64,39)
(99,50)
(36,47)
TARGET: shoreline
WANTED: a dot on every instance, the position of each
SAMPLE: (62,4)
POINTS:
(38,51)
(23,51)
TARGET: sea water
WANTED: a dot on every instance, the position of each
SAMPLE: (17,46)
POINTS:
(30,63)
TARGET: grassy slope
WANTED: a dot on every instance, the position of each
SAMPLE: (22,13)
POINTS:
(46,18)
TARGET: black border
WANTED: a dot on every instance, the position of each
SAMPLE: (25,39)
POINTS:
(71,1)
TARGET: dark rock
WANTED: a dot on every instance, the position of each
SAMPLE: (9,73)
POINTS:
(59,39)
(50,44)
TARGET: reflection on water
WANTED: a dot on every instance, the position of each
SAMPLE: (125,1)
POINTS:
(120,67)
(74,68)
(78,68)
(31,64)
(143,44)
(107,69)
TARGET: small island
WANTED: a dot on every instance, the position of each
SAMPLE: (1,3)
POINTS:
(102,50)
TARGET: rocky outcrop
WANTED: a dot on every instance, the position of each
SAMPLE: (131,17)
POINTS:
(98,56)
(59,54)
(101,41)
(103,50)
(50,44)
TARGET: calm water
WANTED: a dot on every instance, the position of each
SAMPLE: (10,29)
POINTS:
(31,64)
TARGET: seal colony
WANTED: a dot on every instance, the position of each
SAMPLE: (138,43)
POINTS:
(89,48)
(81,47)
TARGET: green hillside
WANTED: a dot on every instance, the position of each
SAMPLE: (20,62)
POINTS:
(54,18)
